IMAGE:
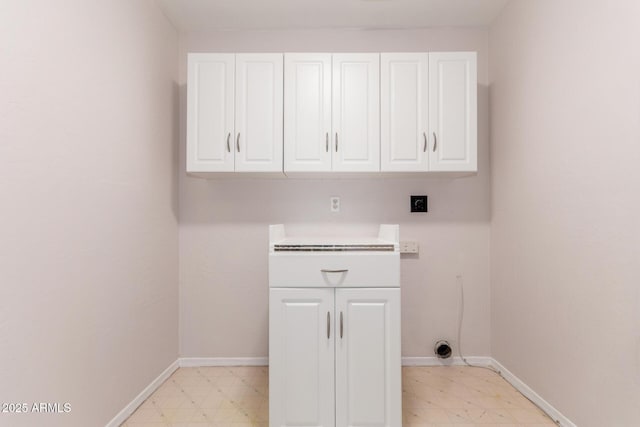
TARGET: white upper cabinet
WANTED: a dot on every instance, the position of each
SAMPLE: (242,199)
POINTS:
(234,112)
(453,112)
(319,112)
(307,112)
(428,112)
(259,110)
(332,112)
(356,112)
(210,117)
(404,111)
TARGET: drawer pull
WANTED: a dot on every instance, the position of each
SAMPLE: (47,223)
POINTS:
(334,271)
(340,325)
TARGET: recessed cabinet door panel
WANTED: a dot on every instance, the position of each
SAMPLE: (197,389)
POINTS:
(301,357)
(259,112)
(210,112)
(307,104)
(452,109)
(356,112)
(404,115)
(368,387)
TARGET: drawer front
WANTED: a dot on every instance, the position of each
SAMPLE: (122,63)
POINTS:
(353,270)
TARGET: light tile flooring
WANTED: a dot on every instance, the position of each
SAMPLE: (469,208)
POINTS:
(431,397)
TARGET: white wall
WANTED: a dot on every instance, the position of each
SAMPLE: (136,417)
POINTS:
(223,223)
(88,236)
(565,125)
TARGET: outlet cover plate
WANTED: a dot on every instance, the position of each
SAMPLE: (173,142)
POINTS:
(335,203)
(409,247)
(419,204)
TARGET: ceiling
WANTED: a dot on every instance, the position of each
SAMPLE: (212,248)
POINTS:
(209,15)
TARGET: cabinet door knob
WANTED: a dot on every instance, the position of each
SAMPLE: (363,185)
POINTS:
(341,324)
(435,141)
(238,142)
(424,149)
(328,325)
(228,146)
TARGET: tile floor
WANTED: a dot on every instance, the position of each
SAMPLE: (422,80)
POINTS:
(431,397)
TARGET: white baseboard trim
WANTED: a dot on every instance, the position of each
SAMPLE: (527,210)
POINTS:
(516,382)
(454,361)
(191,362)
(144,394)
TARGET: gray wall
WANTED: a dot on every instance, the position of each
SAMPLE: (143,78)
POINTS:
(565,97)
(88,188)
(224,223)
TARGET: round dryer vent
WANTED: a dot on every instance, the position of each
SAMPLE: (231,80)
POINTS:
(442,349)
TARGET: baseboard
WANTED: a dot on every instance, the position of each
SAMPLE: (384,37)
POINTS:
(144,394)
(454,361)
(516,382)
(190,362)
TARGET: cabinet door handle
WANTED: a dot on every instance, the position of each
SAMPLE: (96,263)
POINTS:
(328,325)
(334,271)
(326,142)
(228,146)
(341,325)
(336,142)
(424,149)
(435,141)
(238,142)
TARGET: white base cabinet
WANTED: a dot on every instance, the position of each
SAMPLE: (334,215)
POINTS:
(368,361)
(334,357)
(301,357)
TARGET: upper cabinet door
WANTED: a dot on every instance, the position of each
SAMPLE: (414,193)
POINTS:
(368,389)
(259,112)
(452,111)
(404,111)
(356,112)
(307,112)
(210,105)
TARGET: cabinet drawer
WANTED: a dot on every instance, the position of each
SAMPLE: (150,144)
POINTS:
(313,270)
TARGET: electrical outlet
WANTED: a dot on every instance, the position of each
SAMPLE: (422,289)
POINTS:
(335,204)
(419,204)
(408,247)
